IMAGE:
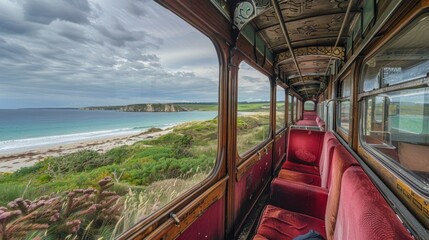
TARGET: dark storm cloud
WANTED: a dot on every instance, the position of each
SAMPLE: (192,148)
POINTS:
(12,51)
(135,9)
(71,31)
(118,35)
(252,79)
(46,11)
(14,26)
(62,53)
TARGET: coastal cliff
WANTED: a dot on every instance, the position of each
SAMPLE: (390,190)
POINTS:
(148,107)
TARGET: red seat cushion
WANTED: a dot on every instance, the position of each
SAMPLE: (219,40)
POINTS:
(300,177)
(363,213)
(309,115)
(307,123)
(303,168)
(277,223)
(305,146)
(305,174)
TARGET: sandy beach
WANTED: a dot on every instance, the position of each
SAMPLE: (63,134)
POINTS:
(13,161)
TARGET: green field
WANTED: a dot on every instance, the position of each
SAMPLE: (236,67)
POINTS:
(242,107)
(88,195)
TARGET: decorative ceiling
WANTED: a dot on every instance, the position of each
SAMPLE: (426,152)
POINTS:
(313,28)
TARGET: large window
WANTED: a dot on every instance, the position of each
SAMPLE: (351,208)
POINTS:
(396,122)
(295,108)
(290,109)
(344,104)
(309,105)
(280,109)
(97,129)
(253,121)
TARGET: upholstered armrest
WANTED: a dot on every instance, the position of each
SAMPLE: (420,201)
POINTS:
(299,197)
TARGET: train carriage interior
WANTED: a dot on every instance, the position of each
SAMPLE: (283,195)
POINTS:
(322,120)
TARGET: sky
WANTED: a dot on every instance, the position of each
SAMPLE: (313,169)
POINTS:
(76,53)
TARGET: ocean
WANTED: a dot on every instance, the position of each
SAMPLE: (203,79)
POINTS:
(29,128)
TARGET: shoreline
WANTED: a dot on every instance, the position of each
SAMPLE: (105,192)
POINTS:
(10,162)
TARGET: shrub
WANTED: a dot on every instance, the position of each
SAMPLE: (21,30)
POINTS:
(182,146)
(118,154)
(77,162)
(62,217)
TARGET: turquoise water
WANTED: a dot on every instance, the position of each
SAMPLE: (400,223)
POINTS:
(30,127)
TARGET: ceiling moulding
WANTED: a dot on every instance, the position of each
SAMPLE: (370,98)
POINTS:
(307,79)
(222,6)
(247,10)
(337,52)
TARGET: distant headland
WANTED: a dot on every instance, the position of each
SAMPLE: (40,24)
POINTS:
(158,107)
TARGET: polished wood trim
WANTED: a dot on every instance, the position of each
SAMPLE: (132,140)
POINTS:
(213,24)
(396,25)
(245,166)
(203,15)
(346,135)
(343,134)
(416,202)
(234,62)
(245,48)
(354,104)
(171,230)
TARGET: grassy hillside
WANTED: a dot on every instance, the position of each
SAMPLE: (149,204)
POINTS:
(88,195)
(178,107)
(147,107)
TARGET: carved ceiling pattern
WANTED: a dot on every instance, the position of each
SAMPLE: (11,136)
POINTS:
(337,52)
(249,9)
(223,7)
(313,27)
(294,9)
(307,80)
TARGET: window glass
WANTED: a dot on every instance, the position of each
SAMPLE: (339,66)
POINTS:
(309,106)
(295,109)
(346,87)
(280,109)
(253,121)
(97,129)
(290,109)
(396,125)
(344,106)
(403,59)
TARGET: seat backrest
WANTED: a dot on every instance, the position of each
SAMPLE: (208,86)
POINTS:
(329,143)
(341,160)
(363,213)
(305,146)
(309,115)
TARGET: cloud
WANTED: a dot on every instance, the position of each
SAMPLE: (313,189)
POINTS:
(136,9)
(61,53)
(252,79)
(46,11)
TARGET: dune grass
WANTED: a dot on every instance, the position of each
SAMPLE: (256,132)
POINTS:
(145,175)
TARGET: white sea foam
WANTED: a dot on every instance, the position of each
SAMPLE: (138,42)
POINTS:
(30,144)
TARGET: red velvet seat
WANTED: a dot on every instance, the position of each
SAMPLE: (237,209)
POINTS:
(360,213)
(363,213)
(299,167)
(311,200)
(277,223)
(307,123)
(306,178)
(309,115)
(314,175)
(303,151)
